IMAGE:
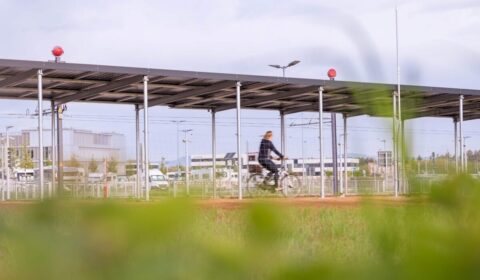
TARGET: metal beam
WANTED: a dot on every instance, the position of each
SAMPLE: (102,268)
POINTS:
(448,111)
(272,97)
(190,93)
(19,78)
(203,100)
(85,94)
(314,106)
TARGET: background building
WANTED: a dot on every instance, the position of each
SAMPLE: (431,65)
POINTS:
(83,145)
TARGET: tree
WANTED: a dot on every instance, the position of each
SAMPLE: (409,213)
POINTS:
(25,159)
(163,166)
(92,166)
(112,165)
(72,162)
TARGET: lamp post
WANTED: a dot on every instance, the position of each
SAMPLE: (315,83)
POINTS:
(186,131)
(293,63)
(178,147)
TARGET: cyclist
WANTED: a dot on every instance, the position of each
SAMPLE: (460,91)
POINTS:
(264,158)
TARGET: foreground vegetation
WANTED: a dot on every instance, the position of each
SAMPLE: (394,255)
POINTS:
(177,239)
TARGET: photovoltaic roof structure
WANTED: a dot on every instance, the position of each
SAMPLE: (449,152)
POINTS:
(71,82)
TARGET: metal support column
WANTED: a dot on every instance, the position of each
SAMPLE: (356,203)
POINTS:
(53,152)
(145,137)
(334,154)
(7,147)
(137,152)
(40,130)
(320,138)
(214,155)
(60,149)
(239,154)
(462,154)
(455,132)
(282,133)
(403,173)
(394,153)
(345,165)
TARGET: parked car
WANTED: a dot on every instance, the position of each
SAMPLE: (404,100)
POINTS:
(157,180)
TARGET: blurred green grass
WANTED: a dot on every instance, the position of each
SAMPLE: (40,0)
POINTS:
(178,239)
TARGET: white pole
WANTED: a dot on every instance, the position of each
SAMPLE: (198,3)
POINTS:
(282,132)
(40,130)
(187,170)
(345,165)
(53,153)
(214,155)
(462,155)
(394,154)
(303,159)
(137,152)
(320,136)
(8,168)
(399,151)
(4,168)
(455,132)
(145,137)
(239,155)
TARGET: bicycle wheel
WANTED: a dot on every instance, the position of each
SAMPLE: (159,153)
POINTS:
(291,186)
(253,183)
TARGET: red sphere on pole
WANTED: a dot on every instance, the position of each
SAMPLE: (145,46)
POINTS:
(332,73)
(57,51)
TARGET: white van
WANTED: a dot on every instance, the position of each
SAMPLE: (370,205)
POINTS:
(157,180)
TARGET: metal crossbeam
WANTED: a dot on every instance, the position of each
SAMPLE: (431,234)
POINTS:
(20,77)
(89,93)
(268,98)
(203,100)
(190,93)
(314,106)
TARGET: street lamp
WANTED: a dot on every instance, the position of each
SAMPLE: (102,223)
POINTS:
(178,122)
(293,63)
(186,131)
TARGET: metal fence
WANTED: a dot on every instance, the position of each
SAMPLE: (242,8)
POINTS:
(200,188)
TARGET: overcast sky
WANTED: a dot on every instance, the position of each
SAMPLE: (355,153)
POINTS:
(439,46)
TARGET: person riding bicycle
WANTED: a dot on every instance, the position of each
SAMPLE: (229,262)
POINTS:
(264,158)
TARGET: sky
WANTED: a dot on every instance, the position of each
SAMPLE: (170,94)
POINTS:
(438,43)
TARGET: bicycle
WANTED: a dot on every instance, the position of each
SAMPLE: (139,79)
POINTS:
(258,183)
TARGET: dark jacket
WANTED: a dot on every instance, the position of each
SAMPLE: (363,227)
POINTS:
(266,147)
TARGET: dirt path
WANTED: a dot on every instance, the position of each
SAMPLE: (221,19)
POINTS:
(352,201)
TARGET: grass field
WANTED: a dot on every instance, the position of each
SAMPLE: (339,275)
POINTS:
(433,238)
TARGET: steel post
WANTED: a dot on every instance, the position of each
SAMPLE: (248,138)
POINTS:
(187,169)
(462,155)
(8,168)
(60,149)
(334,154)
(394,153)
(455,136)
(239,154)
(137,152)
(345,164)
(145,137)
(40,130)
(320,140)
(53,152)
(214,155)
